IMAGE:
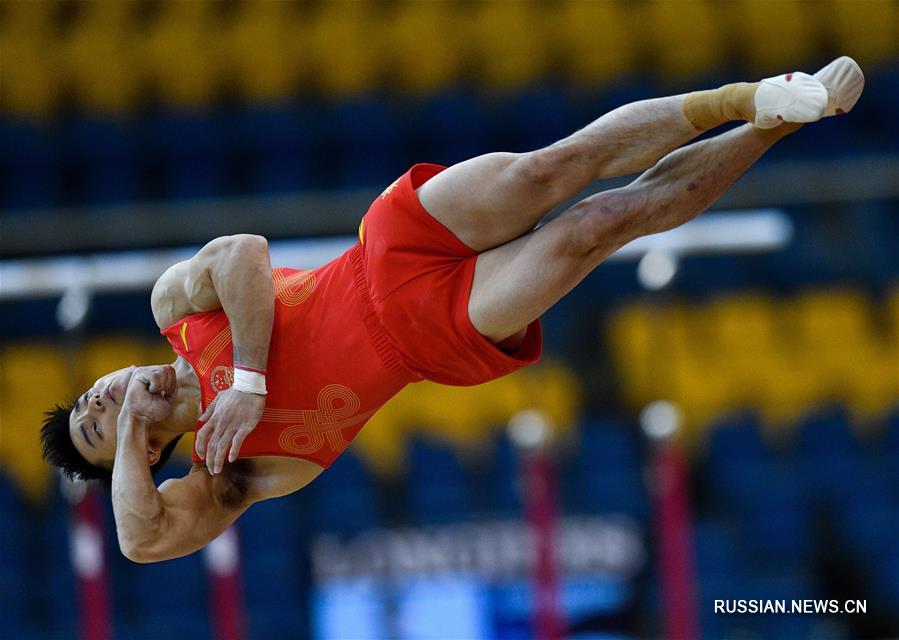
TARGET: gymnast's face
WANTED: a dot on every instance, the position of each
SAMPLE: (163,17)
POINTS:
(92,423)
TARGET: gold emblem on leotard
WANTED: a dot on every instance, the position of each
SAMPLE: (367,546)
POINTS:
(336,408)
(387,191)
(293,289)
(221,378)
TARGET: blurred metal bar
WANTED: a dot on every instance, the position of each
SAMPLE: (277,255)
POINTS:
(860,178)
(733,232)
(138,270)
(169,224)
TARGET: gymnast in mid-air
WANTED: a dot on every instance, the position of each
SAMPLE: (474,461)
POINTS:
(278,369)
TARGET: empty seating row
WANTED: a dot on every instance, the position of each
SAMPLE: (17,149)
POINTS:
(112,56)
(754,351)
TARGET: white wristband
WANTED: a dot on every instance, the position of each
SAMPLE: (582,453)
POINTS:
(249,381)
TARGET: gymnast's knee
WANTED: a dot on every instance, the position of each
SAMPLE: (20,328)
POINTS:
(550,169)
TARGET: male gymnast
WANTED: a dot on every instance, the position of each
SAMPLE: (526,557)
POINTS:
(278,369)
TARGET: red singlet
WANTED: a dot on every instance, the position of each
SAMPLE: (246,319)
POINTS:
(350,335)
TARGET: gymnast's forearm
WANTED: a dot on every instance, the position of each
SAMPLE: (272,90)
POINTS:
(136,503)
(242,278)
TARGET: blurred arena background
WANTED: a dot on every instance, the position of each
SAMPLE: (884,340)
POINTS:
(135,128)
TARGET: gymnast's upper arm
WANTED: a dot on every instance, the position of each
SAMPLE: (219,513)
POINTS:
(195,512)
(186,287)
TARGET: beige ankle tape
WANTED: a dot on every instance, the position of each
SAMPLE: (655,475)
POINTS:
(710,109)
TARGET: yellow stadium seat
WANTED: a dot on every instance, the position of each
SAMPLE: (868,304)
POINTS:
(418,69)
(833,329)
(789,384)
(833,318)
(892,313)
(647,344)
(597,41)
(105,355)
(702,388)
(512,41)
(346,48)
(776,35)
(872,383)
(33,378)
(382,440)
(100,59)
(631,335)
(745,334)
(28,16)
(30,69)
(263,42)
(182,51)
(672,25)
(741,322)
(867,30)
(466,417)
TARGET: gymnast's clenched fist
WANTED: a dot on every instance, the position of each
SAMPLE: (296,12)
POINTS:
(149,394)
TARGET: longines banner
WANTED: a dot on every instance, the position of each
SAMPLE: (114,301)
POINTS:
(495,550)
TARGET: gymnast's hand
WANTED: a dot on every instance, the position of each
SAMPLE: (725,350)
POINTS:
(148,397)
(229,418)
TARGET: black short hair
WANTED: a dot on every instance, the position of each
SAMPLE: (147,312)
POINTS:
(59,450)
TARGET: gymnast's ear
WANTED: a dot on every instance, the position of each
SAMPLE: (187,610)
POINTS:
(154,450)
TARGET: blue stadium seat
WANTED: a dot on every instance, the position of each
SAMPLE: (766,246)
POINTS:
(14,554)
(608,444)
(29,166)
(621,492)
(171,591)
(826,435)
(803,627)
(614,282)
(281,142)
(701,277)
(718,548)
(869,485)
(504,495)
(438,487)
(891,440)
(367,144)
(272,547)
(828,453)
(737,440)
(610,478)
(624,91)
(345,498)
(277,620)
(867,530)
(273,524)
(735,459)
(533,119)
(447,128)
(886,577)
(172,625)
(274,575)
(778,526)
(54,584)
(873,116)
(170,598)
(190,152)
(103,152)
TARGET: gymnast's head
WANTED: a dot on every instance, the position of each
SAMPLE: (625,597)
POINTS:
(79,437)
